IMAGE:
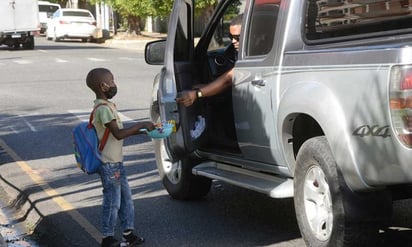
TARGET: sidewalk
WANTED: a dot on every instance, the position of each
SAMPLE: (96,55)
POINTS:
(133,42)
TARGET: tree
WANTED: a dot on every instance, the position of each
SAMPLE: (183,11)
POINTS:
(137,10)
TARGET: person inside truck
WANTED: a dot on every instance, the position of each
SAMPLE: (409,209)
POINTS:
(225,80)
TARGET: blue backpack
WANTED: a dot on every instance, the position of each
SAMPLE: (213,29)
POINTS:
(87,149)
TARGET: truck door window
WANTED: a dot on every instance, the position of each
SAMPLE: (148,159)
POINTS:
(220,38)
(183,40)
(262,27)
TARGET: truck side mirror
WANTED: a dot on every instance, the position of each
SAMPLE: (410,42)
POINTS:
(155,52)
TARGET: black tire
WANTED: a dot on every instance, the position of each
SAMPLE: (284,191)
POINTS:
(49,35)
(55,38)
(329,214)
(30,44)
(177,176)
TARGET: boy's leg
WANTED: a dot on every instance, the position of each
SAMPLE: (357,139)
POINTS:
(110,176)
(126,212)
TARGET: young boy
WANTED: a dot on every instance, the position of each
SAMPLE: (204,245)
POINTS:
(117,198)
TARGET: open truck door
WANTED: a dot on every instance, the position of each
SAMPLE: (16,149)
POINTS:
(176,55)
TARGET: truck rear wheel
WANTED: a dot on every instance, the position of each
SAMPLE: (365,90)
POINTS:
(329,214)
(177,176)
(29,45)
(16,45)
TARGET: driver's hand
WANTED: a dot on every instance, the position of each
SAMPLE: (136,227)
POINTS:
(187,98)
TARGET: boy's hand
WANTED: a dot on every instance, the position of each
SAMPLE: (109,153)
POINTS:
(147,125)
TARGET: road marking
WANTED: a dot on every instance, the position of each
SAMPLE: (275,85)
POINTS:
(14,130)
(31,127)
(23,62)
(84,115)
(59,200)
(96,59)
(24,116)
(127,58)
(59,60)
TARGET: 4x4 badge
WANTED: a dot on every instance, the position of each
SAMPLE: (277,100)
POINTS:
(375,130)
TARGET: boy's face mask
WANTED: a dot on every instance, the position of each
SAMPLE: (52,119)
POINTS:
(111,93)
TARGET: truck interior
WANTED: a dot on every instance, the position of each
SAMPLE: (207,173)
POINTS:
(209,121)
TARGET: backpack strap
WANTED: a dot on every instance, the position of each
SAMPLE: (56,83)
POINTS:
(106,131)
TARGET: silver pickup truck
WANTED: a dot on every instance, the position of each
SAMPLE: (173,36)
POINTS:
(320,109)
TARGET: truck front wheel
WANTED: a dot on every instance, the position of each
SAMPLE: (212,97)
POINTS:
(177,176)
(329,214)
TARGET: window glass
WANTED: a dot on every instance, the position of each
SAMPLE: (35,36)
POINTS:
(48,8)
(261,33)
(221,37)
(76,13)
(340,18)
(182,49)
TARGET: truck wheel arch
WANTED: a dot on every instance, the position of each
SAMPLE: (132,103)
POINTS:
(314,104)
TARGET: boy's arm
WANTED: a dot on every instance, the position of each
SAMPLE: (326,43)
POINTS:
(125,132)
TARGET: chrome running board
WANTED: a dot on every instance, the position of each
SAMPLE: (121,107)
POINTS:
(273,186)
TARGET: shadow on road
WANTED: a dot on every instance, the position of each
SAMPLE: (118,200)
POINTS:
(61,45)
(228,216)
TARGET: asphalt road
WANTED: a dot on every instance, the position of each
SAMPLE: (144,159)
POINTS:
(44,95)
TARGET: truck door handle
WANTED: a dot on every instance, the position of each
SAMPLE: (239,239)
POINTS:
(258,82)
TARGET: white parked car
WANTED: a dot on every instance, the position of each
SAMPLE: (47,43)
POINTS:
(71,24)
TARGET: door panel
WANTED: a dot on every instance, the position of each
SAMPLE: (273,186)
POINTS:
(254,94)
(176,75)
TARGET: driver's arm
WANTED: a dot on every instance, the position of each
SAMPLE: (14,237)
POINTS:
(217,86)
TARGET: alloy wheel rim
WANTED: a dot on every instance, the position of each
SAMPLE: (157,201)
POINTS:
(172,170)
(318,203)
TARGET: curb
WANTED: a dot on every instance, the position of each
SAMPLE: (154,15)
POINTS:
(12,229)
(17,212)
(2,242)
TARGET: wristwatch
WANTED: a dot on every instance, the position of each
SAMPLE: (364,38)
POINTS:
(199,93)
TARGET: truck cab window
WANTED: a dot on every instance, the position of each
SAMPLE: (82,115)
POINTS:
(262,28)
